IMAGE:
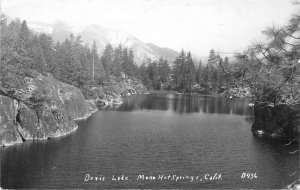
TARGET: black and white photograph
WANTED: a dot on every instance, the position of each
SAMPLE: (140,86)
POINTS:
(149,94)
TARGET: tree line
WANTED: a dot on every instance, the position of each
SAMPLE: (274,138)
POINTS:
(23,51)
(71,61)
(76,63)
(184,75)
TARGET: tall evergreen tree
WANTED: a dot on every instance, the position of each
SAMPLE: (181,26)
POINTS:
(191,71)
(118,60)
(182,70)
(212,59)
(99,72)
(212,68)
(23,39)
(143,75)
(152,71)
(219,80)
(199,73)
(107,60)
(163,70)
(131,67)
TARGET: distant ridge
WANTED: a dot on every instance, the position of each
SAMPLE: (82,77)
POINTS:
(166,53)
(60,30)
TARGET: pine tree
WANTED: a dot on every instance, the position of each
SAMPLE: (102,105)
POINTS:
(226,62)
(219,81)
(163,70)
(212,59)
(125,60)
(99,72)
(23,38)
(143,75)
(117,61)
(107,60)
(271,69)
(131,67)
(152,71)
(212,69)
(182,71)
(37,53)
(22,51)
(199,73)
(190,72)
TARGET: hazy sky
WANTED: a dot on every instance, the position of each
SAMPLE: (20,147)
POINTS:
(195,25)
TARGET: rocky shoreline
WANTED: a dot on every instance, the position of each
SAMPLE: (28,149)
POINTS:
(280,122)
(114,93)
(44,108)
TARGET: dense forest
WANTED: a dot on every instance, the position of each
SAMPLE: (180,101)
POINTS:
(23,50)
(270,69)
(184,76)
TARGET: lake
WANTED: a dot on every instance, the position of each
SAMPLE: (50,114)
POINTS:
(156,141)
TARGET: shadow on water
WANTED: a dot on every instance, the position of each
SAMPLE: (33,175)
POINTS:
(36,164)
(39,155)
(185,104)
(282,159)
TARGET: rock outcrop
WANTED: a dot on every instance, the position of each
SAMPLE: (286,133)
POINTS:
(115,92)
(9,133)
(40,108)
(279,122)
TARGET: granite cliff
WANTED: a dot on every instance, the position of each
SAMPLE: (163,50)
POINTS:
(40,108)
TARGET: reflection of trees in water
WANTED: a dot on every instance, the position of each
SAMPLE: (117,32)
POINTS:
(209,104)
(187,104)
(150,102)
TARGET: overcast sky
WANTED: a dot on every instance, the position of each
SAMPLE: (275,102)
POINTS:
(195,25)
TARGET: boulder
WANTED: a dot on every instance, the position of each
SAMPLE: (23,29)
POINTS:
(74,101)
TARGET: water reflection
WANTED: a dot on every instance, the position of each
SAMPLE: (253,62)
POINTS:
(185,104)
(155,142)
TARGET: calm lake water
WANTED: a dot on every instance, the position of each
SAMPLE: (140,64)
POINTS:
(156,135)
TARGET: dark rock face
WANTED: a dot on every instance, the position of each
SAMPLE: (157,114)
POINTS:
(42,108)
(8,125)
(279,121)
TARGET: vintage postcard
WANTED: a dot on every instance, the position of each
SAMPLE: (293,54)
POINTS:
(149,94)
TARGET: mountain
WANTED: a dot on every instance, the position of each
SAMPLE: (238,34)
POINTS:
(103,36)
(166,53)
(60,30)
